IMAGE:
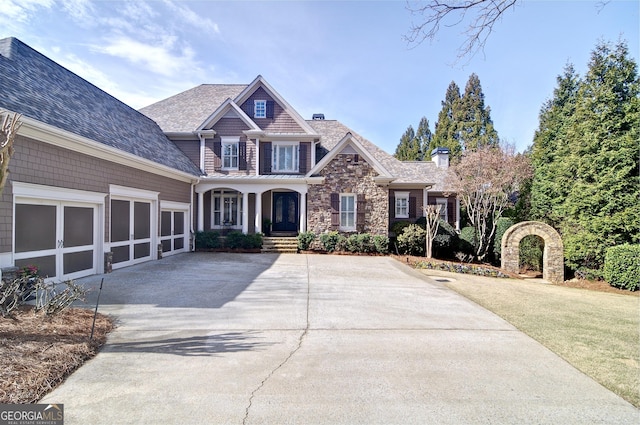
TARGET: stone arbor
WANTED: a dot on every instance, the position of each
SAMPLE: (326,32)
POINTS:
(553,256)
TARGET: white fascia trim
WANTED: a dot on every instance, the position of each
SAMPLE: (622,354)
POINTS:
(259,80)
(46,133)
(132,192)
(297,137)
(37,191)
(350,140)
(222,110)
(421,186)
(172,205)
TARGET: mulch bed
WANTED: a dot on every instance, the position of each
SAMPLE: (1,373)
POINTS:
(592,285)
(37,352)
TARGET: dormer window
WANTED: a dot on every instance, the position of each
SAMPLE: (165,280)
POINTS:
(259,108)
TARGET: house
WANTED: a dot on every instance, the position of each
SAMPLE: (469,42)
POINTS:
(264,163)
(96,185)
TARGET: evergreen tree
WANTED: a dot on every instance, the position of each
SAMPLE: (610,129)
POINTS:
(446,132)
(474,124)
(409,148)
(552,176)
(423,138)
(585,154)
(602,208)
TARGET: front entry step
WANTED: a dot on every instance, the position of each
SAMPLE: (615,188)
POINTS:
(280,245)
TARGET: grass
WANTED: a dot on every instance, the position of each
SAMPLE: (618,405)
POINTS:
(38,352)
(596,332)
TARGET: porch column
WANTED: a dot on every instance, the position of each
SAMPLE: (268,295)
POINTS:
(303,212)
(200,211)
(457,213)
(245,212)
(258,217)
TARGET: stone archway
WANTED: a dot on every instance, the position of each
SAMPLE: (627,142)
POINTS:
(553,256)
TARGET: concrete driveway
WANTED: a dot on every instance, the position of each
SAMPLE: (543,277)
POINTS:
(316,339)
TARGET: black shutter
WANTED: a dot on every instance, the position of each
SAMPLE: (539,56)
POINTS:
(360,212)
(335,211)
(413,204)
(248,108)
(242,155)
(302,158)
(451,211)
(270,108)
(392,205)
(217,155)
(265,158)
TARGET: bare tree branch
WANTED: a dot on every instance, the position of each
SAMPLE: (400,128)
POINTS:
(449,13)
(8,132)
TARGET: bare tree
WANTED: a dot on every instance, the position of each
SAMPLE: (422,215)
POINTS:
(8,132)
(484,14)
(432,215)
(487,181)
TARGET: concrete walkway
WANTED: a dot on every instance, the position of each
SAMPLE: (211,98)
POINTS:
(316,339)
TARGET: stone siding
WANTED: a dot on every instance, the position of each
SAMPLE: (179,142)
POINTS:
(344,175)
(553,256)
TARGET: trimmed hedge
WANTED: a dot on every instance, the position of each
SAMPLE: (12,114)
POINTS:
(413,240)
(234,240)
(622,266)
(305,239)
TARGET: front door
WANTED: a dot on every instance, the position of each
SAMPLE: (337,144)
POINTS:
(285,212)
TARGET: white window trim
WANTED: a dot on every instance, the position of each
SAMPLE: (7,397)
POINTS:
(400,196)
(444,208)
(225,141)
(263,109)
(238,196)
(355,212)
(275,160)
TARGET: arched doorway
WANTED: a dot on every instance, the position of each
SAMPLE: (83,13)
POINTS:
(553,256)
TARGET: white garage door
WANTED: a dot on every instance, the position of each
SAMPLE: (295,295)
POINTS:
(60,237)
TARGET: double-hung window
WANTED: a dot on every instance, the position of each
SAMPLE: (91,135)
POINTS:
(230,153)
(443,208)
(402,204)
(285,158)
(259,108)
(348,212)
(227,209)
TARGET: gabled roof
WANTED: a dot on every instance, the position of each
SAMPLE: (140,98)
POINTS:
(38,88)
(187,111)
(350,143)
(224,109)
(200,107)
(419,173)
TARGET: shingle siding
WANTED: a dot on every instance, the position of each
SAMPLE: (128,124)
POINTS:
(281,122)
(44,164)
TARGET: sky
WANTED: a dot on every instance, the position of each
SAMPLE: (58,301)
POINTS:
(349,60)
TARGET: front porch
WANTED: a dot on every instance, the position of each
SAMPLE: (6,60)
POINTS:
(252,206)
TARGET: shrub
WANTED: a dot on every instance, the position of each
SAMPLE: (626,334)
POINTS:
(412,240)
(398,227)
(502,225)
(305,239)
(622,266)
(467,240)
(238,240)
(445,241)
(208,240)
(381,244)
(329,241)
(361,242)
(531,253)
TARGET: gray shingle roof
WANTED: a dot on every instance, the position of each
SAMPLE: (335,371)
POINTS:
(418,172)
(186,111)
(37,87)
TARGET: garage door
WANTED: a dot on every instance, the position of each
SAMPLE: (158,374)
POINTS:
(131,232)
(60,238)
(173,231)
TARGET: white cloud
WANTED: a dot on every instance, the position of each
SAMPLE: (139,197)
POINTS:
(189,17)
(161,59)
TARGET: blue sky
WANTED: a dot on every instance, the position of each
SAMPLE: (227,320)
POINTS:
(348,60)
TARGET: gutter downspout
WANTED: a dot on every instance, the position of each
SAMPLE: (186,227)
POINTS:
(192,248)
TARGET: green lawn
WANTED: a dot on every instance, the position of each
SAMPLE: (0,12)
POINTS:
(598,333)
